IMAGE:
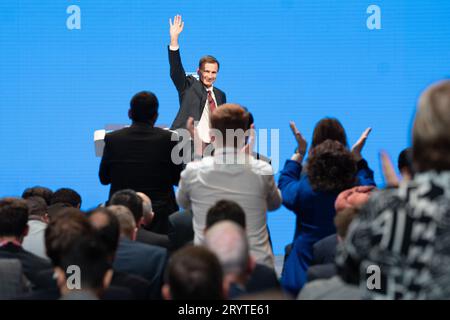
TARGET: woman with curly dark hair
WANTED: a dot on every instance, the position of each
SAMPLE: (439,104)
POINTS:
(331,168)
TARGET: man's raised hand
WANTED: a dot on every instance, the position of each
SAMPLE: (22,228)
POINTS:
(176,27)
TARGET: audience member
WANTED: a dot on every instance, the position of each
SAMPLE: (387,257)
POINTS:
(34,241)
(38,191)
(226,176)
(66,196)
(194,273)
(139,158)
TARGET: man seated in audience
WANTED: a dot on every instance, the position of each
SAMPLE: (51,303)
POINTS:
(64,198)
(405,231)
(261,277)
(228,241)
(107,228)
(38,191)
(234,175)
(13,228)
(333,287)
(34,241)
(148,215)
(137,258)
(324,251)
(137,206)
(194,273)
(139,158)
(83,272)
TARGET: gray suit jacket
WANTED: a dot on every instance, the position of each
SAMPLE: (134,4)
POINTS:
(12,280)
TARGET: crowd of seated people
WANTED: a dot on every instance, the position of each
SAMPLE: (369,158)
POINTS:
(214,242)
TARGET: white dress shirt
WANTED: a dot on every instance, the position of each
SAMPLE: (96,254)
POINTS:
(203,124)
(251,185)
(34,241)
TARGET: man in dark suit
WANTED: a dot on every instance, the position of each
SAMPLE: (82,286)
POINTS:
(13,228)
(197,97)
(136,258)
(139,158)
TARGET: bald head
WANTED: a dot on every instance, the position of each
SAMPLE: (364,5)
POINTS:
(147,208)
(229,242)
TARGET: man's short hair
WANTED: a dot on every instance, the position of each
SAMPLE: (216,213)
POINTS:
(431,138)
(194,273)
(125,218)
(225,210)
(143,106)
(66,195)
(36,206)
(91,256)
(228,241)
(38,191)
(13,217)
(405,160)
(229,117)
(208,59)
(107,228)
(130,199)
(62,232)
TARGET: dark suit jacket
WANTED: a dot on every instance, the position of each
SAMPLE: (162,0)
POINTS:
(181,230)
(139,287)
(262,279)
(153,238)
(324,250)
(143,260)
(32,265)
(139,158)
(191,92)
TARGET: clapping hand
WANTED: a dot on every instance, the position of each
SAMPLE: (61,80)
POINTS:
(359,145)
(301,143)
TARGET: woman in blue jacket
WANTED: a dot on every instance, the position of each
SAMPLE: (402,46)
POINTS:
(312,191)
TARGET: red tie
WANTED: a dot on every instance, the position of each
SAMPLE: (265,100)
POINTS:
(211,103)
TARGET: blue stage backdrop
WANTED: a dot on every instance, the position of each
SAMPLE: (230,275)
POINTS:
(70,67)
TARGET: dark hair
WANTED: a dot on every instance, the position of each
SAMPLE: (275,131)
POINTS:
(405,160)
(130,199)
(109,232)
(91,256)
(331,167)
(62,232)
(208,59)
(13,217)
(143,106)
(431,138)
(38,191)
(66,195)
(194,273)
(36,206)
(225,210)
(328,129)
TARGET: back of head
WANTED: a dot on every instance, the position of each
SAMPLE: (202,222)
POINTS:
(38,191)
(62,232)
(13,217)
(331,167)
(66,195)
(229,242)
(404,162)
(129,199)
(431,138)
(328,129)
(232,120)
(89,255)
(225,210)
(194,273)
(143,107)
(125,219)
(106,227)
(36,206)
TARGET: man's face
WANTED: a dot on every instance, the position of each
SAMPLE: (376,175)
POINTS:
(208,74)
